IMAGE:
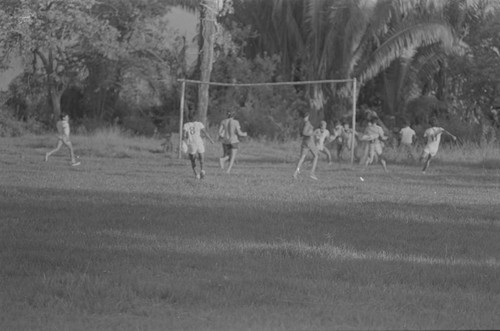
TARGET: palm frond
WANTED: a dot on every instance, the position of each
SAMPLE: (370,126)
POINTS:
(407,36)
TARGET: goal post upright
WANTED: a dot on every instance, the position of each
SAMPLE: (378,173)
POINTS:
(183,96)
(181,115)
(354,92)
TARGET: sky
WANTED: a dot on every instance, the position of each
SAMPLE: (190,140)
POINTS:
(179,19)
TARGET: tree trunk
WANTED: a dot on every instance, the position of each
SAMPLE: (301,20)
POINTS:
(317,103)
(55,99)
(441,79)
(208,29)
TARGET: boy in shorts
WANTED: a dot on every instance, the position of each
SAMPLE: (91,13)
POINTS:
(192,131)
(63,139)
(338,137)
(320,135)
(348,137)
(374,134)
(433,136)
(407,135)
(229,133)
(308,145)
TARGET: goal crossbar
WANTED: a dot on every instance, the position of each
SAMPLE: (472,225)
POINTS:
(268,84)
(198,82)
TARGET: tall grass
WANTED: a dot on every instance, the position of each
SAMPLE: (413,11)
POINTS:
(115,142)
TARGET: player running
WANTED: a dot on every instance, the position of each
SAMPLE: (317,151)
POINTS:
(63,138)
(433,136)
(348,138)
(320,135)
(192,131)
(338,137)
(374,134)
(407,135)
(229,132)
(307,133)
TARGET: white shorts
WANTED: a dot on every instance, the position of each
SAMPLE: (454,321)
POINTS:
(430,150)
(375,148)
(196,148)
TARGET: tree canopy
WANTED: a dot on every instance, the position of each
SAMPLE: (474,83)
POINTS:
(124,58)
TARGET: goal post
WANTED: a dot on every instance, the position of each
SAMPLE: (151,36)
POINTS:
(197,82)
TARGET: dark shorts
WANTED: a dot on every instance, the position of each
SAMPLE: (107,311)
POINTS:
(227,148)
(308,145)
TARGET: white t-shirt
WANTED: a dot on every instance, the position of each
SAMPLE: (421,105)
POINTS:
(407,135)
(193,130)
(320,136)
(433,136)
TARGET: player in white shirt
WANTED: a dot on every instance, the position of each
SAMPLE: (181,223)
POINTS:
(63,139)
(407,135)
(192,131)
(320,135)
(433,136)
(374,134)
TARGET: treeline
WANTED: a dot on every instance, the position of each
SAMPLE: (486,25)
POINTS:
(118,61)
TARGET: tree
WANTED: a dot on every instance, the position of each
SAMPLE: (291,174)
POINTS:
(57,36)
(208,14)
(338,39)
(475,82)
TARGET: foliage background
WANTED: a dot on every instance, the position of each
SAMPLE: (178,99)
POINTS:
(125,73)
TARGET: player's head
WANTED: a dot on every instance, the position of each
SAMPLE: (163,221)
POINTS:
(345,124)
(305,115)
(230,114)
(323,125)
(63,116)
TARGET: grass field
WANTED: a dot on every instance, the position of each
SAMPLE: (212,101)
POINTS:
(130,240)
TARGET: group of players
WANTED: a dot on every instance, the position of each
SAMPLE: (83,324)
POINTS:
(314,141)
(229,133)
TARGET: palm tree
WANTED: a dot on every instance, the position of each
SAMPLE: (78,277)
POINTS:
(339,39)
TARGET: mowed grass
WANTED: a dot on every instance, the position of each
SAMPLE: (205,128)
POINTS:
(130,240)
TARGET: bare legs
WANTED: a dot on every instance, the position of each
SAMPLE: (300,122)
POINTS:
(231,157)
(427,162)
(340,148)
(192,158)
(371,156)
(58,147)
(328,154)
(231,160)
(301,160)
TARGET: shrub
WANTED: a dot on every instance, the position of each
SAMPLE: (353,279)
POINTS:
(9,126)
(264,111)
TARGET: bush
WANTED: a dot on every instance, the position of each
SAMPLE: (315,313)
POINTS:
(268,112)
(9,126)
